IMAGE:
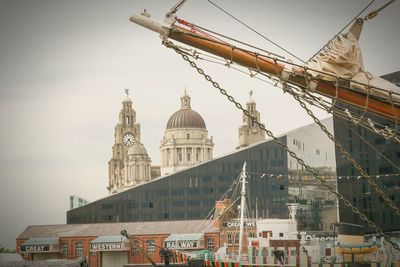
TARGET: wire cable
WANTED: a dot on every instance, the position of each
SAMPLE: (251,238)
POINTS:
(374,13)
(322,48)
(259,34)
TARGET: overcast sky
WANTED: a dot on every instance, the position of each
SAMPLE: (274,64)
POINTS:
(64,65)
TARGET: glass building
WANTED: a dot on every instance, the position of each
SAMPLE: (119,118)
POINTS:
(380,158)
(191,193)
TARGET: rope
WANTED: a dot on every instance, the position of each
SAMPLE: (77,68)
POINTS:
(236,181)
(314,172)
(373,14)
(359,13)
(259,34)
(385,131)
(197,27)
(265,58)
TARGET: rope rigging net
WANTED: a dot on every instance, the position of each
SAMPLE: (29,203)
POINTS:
(306,93)
(314,172)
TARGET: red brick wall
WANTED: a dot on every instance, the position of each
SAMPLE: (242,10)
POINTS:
(25,256)
(94,257)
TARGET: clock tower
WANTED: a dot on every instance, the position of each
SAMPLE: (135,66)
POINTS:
(249,132)
(127,133)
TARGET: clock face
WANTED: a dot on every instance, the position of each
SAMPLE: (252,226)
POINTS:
(128,139)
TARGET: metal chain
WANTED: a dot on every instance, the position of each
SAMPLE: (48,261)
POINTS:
(284,146)
(383,130)
(348,156)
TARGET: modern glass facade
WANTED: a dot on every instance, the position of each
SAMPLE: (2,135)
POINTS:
(380,158)
(191,193)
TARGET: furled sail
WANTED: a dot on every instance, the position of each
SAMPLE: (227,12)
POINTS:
(343,58)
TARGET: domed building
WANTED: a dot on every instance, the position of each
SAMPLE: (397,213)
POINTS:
(185,141)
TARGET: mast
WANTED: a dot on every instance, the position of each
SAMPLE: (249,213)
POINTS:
(268,66)
(242,208)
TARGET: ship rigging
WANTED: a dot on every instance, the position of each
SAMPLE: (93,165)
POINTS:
(332,80)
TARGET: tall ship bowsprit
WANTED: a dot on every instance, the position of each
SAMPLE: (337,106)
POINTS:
(335,81)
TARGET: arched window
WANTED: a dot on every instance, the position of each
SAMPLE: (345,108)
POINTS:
(127,120)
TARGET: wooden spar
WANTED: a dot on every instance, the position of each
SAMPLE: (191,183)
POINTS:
(227,51)
(269,66)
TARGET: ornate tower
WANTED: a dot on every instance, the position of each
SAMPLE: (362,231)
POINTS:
(137,166)
(127,133)
(249,132)
(185,141)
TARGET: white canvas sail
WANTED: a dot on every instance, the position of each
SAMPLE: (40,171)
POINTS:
(343,58)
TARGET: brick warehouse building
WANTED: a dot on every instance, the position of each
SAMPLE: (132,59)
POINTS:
(102,244)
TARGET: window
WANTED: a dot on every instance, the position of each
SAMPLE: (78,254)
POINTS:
(280,234)
(210,244)
(237,238)
(178,203)
(293,252)
(151,246)
(79,248)
(187,136)
(188,156)
(106,206)
(135,247)
(64,249)
(207,179)
(193,202)
(318,151)
(328,251)
(229,238)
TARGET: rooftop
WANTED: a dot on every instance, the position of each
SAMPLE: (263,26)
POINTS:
(111,229)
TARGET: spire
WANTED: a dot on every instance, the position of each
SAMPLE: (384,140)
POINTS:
(185,100)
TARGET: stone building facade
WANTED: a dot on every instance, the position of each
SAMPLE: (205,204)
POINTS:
(249,132)
(185,142)
(130,165)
